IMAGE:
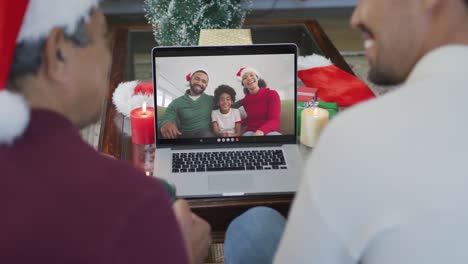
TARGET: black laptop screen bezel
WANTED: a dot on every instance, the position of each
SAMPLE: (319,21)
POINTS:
(270,49)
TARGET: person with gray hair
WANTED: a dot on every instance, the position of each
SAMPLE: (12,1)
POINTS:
(61,200)
(386,182)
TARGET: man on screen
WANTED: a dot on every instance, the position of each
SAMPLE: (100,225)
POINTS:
(189,116)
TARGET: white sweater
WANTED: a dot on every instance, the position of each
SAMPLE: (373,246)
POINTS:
(388,181)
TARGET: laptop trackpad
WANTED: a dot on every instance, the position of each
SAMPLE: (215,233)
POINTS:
(230,182)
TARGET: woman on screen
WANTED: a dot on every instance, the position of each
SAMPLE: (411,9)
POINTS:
(262,105)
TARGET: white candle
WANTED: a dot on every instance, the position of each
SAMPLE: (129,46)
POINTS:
(313,120)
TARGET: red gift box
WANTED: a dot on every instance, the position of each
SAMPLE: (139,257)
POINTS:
(305,94)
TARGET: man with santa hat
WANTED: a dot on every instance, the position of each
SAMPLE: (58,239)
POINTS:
(189,115)
(60,200)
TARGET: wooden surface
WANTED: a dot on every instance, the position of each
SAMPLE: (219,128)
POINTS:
(218,211)
(110,135)
(319,36)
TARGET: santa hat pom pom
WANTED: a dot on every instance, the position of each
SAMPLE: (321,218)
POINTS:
(130,95)
(188,77)
(244,70)
(312,61)
(14,116)
(122,94)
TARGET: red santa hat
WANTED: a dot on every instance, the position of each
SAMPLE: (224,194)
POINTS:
(130,95)
(29,20)
(245,70)
(189,75)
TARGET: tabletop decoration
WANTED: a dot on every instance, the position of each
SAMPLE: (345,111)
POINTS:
(130,95)
(142,123)
(135,100)
(313,120)
(333,84)
(178,22)
(307,96)
(220,37)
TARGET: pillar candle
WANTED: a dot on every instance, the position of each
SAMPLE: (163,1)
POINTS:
(142,122)
(313,120)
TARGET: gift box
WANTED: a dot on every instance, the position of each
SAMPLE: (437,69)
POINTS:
(222,37)
(306,94)
(331,107)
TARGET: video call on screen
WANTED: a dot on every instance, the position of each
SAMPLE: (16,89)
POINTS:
(276,70)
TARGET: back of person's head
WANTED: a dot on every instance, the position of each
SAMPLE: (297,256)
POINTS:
(41,36)
(28,53)
(397,34)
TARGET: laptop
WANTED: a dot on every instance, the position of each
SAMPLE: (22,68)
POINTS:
(226,164)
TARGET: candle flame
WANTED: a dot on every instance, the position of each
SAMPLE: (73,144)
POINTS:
(316,111)
(144,107)
(148,173)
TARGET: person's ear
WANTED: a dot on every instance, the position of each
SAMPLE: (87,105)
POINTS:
(55,56)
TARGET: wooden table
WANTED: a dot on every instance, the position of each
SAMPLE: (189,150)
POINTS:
(115,139)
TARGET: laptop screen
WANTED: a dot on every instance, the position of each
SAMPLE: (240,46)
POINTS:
(225,95)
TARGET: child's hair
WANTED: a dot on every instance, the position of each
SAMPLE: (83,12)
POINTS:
(223,88)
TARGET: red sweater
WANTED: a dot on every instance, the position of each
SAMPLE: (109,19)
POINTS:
(63,202)
(263,111)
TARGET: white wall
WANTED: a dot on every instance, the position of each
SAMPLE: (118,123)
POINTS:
(276,70)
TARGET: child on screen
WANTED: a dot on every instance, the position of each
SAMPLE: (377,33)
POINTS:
(225,121)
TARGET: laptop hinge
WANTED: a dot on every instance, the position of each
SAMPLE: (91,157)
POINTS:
(227,146)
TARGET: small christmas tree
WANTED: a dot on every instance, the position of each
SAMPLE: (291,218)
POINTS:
(178,22)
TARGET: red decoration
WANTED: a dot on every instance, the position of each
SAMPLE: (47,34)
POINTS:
(10,25)
(144,88)
(305,94)
(239,73)
(336,85)
(142,122)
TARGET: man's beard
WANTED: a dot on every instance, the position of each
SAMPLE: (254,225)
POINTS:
(379,75)
(195,91)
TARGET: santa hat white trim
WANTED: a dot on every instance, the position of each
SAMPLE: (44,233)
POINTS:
(243,71)
(312,61)
(14,116)
(125,100)
(43,15)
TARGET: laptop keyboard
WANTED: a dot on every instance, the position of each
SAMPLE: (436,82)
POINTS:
(228,161)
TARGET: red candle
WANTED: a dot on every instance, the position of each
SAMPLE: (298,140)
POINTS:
(142,122)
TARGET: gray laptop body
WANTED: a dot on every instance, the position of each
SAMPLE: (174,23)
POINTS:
(212,166)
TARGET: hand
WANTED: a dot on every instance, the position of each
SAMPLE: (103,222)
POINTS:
(195,230)
(259,133)
(169,130)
